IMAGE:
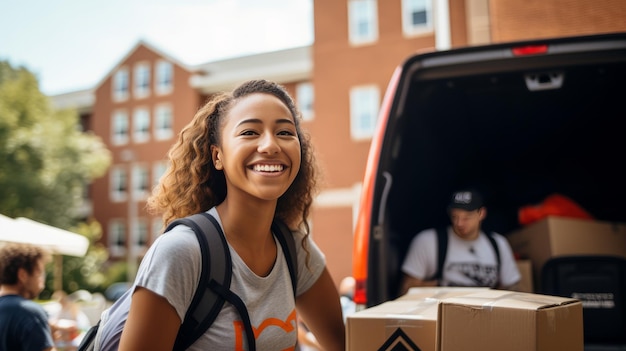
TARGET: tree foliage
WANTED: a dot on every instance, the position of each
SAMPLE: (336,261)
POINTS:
(46,163)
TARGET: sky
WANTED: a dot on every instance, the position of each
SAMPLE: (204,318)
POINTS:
(73,44)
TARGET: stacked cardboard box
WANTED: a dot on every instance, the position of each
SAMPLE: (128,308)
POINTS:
(451,319)
(560,236)
(526,283)
(407,323)
(499,320)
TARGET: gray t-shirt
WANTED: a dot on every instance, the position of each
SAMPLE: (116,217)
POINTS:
(171,268)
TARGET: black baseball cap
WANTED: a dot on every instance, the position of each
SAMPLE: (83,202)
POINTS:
(468,200)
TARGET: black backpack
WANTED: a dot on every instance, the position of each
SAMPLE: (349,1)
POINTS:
(442,247)
(214,285)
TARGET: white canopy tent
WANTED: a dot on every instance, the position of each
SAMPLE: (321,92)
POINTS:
(57,241)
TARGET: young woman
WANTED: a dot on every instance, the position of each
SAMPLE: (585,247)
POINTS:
(245,160)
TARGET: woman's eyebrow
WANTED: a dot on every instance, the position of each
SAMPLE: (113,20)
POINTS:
(258,121)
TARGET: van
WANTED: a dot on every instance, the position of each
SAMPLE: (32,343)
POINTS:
(518,121)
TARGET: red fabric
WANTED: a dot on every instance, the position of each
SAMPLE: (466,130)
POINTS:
(553,205)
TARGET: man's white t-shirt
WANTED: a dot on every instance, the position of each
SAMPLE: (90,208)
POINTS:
(468,263)
(171,268)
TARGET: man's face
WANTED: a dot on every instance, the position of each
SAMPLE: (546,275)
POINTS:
(33,283)
(466,224)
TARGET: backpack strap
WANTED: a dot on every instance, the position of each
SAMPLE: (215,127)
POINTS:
(496,249)
(236,301)
(442,251)
(288,244)
(206,304)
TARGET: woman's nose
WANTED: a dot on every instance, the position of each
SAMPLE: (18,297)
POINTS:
(268,144)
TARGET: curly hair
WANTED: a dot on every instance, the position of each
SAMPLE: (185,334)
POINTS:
(14,256)
(191,183)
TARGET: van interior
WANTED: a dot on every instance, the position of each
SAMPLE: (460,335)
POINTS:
(517,133)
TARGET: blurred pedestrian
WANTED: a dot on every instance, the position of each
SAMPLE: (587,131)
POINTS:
(346,296)
(23,322)
(68,322)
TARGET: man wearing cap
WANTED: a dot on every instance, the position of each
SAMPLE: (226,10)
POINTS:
(470,257)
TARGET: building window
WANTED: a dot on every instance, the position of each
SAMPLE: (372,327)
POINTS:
(119,184)
(158,170)
(141,125)
(363,21)
(364,105)
(117,238)
(141,182)
(119,132)
(142,80)
(120,85)
(141,239)
(163,120)
(164,77)
(416,17)
(304,97)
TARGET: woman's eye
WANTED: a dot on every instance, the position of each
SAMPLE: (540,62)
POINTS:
(286,132)
(248,132)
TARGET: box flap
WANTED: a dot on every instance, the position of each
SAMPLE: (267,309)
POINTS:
(509,299)
(399,310)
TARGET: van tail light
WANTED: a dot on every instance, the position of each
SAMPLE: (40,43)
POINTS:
(530,50)
(360,294)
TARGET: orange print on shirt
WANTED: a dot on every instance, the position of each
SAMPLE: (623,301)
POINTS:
(288,325)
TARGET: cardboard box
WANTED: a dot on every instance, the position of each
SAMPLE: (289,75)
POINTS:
(438,292)
(407,323)
(560,236)
(497,320)
(526,271)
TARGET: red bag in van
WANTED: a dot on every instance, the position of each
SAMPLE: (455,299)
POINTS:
(553,205)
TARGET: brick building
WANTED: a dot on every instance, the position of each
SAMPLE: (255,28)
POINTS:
(338,82)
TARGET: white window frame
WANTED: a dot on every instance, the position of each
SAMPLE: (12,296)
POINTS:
(305,97)
(141,80)
(118,180)
(117,235)
(164,82)
(409,8)
(364,109)
(119,127)
(140,181)
(120,85)
(141,231)
(362,21)
(163,122)
(141,125)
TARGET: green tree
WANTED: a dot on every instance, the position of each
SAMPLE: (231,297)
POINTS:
(46,163)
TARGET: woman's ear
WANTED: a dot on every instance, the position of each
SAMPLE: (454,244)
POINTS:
(216,157)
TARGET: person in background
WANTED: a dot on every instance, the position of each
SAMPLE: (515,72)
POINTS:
(23,322)
(245,160)
(471,258)
(68,322)
(346,293)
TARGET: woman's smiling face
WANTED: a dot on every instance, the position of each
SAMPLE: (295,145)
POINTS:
(260,151)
